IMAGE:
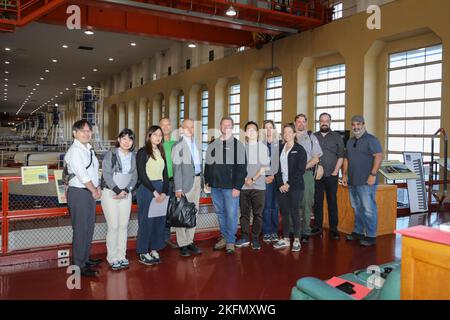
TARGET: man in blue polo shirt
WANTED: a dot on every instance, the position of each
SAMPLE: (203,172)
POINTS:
(362,161)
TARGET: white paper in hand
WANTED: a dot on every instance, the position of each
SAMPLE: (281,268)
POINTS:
(158,209)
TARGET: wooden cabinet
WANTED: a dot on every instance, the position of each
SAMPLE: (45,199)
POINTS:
(425,272)
(386,199)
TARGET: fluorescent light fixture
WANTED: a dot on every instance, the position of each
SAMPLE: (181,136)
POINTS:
(89,32)
(95,69)
(89,88)
(65,46)
(111,59)
(46,70)
(7,49)
(133,44)
(192,45)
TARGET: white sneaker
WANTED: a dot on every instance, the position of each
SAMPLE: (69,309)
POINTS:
(296,246)
(283,243)
(155,255)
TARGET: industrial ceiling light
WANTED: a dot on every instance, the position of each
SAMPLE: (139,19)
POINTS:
(6,62)
(231,12)
(111,59)
(6,72)
(82,78)
(133,44)
(95,69)
(89,88)
(46,70)
(65,46)
(89,32)
(192,45)
(7,49)
(41,78)
(54,60)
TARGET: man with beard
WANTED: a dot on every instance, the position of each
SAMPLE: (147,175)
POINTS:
(333,155)
(362,160)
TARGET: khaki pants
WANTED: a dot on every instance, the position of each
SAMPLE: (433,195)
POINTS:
(117,215)
(185,236)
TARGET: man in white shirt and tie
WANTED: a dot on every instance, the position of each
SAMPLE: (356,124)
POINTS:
(187,170)
(82,194)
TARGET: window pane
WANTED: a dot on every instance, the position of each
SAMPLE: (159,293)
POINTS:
(433,90)
(433,72)
(414,144)
(397,110)
(414,109)
(396,144)
(396,127)
(414,127)
(433,109)
(431,126)
(415,74)
(397,76)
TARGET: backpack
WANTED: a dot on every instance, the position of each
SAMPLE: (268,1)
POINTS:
(113,164)
(66,176)
(318,170)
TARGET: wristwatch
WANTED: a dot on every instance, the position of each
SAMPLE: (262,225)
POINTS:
(373,175)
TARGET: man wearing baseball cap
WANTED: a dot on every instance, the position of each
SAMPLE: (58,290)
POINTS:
(361,163)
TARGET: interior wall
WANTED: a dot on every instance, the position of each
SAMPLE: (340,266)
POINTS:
(297,56)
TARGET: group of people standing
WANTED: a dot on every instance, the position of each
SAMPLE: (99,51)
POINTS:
(263,176)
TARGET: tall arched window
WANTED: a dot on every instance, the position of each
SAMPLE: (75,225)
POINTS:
(204,110)
(234,106)
(273,100)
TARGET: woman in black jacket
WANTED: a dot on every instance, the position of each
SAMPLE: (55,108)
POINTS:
(289,180)
(154,186)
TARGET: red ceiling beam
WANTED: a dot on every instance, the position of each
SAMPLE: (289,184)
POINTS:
(149,25)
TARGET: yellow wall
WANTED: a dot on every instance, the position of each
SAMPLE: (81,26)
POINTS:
(406,24)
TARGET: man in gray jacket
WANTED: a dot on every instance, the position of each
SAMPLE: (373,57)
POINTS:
(187,170)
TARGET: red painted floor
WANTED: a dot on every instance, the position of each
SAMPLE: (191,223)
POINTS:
(265,274)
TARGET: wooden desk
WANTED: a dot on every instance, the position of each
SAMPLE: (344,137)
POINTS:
(425,272)
(386,199)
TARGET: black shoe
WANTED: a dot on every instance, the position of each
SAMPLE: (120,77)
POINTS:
(368,241)
(184,251)
(88,272)
(354,236)
(305,239)
(315,231)
(171,244)
(335,235)
(194,249)
(93,262)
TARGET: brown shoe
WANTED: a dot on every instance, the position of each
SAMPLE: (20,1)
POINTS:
(170,244)
(220,244)
(230,248)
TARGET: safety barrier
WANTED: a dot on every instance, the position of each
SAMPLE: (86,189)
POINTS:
(32,218)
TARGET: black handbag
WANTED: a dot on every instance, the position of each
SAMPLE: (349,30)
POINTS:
(181,213)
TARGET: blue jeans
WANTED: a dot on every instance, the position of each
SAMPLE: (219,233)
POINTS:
(270,215)
(226,208)
(363,202)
